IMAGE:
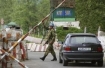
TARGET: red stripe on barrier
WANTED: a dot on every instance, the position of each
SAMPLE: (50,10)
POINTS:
(14,50)
(22,51)
(35,48)
(40,47)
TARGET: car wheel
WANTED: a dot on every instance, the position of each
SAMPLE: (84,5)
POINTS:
(93,62)
(60,60)
(65,63)
(100,63)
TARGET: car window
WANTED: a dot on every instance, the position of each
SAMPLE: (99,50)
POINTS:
(67,40)
(83,39)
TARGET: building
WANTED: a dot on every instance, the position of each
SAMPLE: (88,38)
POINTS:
(65,14)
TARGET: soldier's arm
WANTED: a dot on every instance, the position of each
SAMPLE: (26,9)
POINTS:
(53,36)
(53,33)
(48,37)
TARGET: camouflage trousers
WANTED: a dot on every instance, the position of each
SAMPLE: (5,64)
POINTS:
(50,50)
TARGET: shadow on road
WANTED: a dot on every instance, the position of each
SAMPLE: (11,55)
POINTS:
(82,65)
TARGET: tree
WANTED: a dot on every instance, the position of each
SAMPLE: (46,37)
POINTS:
(28,13)
(24,13)
(5,10)
(91,14)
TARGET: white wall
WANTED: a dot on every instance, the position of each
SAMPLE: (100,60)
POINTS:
(68,24)
(101,37)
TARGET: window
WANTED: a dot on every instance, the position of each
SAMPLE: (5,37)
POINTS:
(67,40)
(83,39)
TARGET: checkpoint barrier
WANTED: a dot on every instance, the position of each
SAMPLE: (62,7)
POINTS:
(23,51)
(36,47)
(13,34)
(7,61)
(24,36)
(19,52)
(7,39)
(40,48)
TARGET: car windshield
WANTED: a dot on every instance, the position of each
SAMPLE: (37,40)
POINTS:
(83,39)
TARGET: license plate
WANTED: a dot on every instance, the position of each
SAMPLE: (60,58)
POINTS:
(84,49)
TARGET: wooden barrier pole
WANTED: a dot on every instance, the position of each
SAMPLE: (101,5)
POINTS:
(6,53)
(24,36)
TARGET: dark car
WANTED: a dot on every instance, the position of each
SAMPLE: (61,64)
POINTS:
(81,47)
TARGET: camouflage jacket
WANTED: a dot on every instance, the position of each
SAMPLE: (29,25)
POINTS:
(51,36)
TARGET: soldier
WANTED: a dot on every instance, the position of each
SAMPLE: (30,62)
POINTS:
(50,41)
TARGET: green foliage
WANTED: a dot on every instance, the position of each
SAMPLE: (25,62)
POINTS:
(5,10)
(26,13)
(61,33)
(91,13)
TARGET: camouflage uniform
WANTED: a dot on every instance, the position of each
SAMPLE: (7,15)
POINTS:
(50,40)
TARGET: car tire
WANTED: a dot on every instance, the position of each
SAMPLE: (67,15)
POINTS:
(65,63)
(100,63)
(93,62)
(60,60)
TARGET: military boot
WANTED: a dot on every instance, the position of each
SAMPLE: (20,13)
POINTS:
(43,58)
(54,58)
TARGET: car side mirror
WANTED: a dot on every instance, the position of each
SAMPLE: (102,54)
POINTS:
(99,41)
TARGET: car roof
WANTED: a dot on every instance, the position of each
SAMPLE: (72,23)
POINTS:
(74,34)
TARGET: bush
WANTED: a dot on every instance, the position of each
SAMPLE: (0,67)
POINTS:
(61,33)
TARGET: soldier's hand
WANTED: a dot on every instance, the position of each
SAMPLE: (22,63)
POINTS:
(51,42)
(46,42)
